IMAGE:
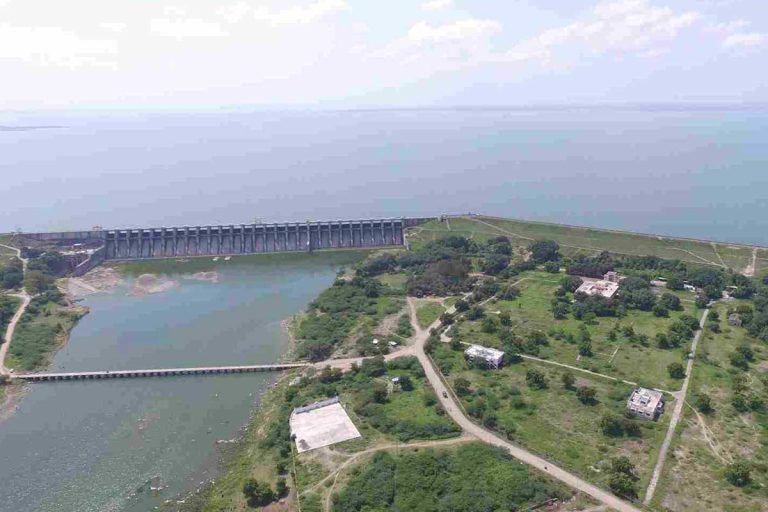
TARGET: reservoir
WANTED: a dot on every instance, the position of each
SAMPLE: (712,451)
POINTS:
(93,445)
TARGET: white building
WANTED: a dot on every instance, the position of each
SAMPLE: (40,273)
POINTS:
(493,358)
(646,403)
(600,287)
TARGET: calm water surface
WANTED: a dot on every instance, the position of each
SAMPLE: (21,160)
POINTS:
(700,174)
(88,446)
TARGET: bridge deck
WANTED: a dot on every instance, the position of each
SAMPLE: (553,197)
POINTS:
(157,372)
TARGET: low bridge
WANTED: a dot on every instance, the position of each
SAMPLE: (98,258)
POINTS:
(159,372)
(225,240)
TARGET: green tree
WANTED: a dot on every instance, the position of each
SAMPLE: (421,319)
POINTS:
(281,488)
(568,380)
(704,403)
(622,465)
(676,370)
(611,425)
(35,282)
(739,474)
(586,395)
(505,319)
(257,493)
(406,384)
(622,485)
(461,386)
(535,379)
(660,310)
(552,267)
(560,311)
(544,250)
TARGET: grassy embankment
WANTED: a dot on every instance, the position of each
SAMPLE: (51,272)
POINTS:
(206,263)
(384,415)
(578,240)
(707,442)
(44,327)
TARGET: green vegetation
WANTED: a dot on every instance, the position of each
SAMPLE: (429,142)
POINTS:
(522,402)
(383,412)
(42,329)
(578,240)
(8,306)
(704,473)
(359,303)
(470,478)
(611,345)
(428,312)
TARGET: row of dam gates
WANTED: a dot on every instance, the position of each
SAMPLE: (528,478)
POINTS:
(133,244)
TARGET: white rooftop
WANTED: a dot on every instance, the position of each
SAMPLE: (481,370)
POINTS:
(484,352)
(606,289)
(321,424)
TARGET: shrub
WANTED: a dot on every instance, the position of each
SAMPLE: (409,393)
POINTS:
(535,379)
(738,474)
(568,380)
(676,370)
(586,395)
(257,493)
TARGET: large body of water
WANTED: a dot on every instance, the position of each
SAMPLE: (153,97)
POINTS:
(699,174)
(88,446)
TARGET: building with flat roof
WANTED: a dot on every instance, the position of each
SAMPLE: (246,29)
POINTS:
(646,403)
(600,287)
(490,356)
(321,424)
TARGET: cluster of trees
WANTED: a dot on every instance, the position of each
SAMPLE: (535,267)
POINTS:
(617,426)
(472,478)
(623,477)
(370,395)
(744,398)
(445,277)
(331,316)
(755,321)
(260,494)
(7,309)
(11,274)
(680,331)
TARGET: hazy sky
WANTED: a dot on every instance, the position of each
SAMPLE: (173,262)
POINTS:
(346,53)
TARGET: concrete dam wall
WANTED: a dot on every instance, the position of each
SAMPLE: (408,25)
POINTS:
(132,244)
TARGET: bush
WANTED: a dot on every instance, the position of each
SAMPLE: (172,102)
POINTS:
(535,379)
(257,493)
(552,267)
(586,395)
(544,250)
(670,301)
(676,370)
(568,380)
(739,474)
(704,403)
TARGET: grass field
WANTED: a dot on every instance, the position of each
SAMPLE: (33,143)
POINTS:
(622,359)
(576,239)
(706,443)
(553,422)
(428,311)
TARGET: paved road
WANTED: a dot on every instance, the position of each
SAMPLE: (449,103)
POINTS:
(679,402)
(445,396)
(25,298)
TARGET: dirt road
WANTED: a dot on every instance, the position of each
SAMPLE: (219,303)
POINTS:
(679,402)
(25,298)
(445,396)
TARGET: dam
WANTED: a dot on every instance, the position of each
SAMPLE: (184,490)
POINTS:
(226,240)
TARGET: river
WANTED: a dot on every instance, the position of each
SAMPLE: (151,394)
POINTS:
(88,446)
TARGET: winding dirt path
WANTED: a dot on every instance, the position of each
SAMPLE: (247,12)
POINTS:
(25,299)
(451,406)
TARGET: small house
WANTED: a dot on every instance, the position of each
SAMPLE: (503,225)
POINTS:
(491,357)
(734,319)
(646,403)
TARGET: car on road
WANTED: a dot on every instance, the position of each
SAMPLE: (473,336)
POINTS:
(445,394)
